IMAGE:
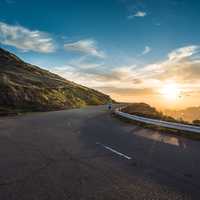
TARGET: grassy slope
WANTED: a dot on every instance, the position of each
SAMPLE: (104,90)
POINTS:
(24,87)
(145,110)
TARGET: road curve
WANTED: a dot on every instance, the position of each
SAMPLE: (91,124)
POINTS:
(88,154)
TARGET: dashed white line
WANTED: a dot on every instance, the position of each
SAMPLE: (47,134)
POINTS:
(114,151)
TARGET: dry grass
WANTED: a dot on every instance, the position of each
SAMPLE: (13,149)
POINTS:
(26,87)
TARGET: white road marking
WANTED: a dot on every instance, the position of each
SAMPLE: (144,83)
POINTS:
(114,151)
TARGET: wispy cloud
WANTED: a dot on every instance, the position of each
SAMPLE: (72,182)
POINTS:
(181,65)
(86,46)
(117,77)
(183,52)
(25,39)
(85,63)
(137,14)
(147,49)
(178,66)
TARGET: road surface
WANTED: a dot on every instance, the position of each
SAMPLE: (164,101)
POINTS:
(88,154)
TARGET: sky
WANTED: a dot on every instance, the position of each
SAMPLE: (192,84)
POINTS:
(133,50)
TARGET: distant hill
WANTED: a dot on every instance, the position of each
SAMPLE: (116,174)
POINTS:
(25,87)
(188,114)
(145,110)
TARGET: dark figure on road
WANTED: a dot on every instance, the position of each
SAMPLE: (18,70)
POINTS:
(109,106)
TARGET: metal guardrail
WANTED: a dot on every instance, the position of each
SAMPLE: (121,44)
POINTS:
(173,125)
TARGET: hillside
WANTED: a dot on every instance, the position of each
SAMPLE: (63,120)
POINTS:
(188,114)
(25,87)
(145,110)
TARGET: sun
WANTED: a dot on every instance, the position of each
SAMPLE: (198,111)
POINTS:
(171,91)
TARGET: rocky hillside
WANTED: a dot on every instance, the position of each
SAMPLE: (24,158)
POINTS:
(25,87)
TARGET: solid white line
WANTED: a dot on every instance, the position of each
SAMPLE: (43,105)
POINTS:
(115,151)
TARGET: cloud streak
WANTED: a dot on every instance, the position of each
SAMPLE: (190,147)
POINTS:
(86,46)
(25,39)
(147,49)
(137,14)
(183,52)
(181,65)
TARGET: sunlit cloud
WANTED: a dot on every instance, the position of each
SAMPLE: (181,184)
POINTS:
(127,91)
(181,67)
(86,46)
(178,66)
(183,52)
(25,39)
(120,77)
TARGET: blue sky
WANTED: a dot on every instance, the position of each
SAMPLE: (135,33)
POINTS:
(96,43)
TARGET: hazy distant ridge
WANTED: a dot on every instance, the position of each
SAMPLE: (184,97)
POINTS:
(188,114)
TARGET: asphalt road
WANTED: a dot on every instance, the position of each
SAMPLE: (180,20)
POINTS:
(88,154)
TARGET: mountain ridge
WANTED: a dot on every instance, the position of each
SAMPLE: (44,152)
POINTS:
(27,87)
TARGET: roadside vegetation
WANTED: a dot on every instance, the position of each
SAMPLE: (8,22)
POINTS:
(145,110)
(196,122)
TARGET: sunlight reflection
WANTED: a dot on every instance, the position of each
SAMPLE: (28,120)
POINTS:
(154,135)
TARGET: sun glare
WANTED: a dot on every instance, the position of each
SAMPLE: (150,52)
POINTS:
(171,91)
